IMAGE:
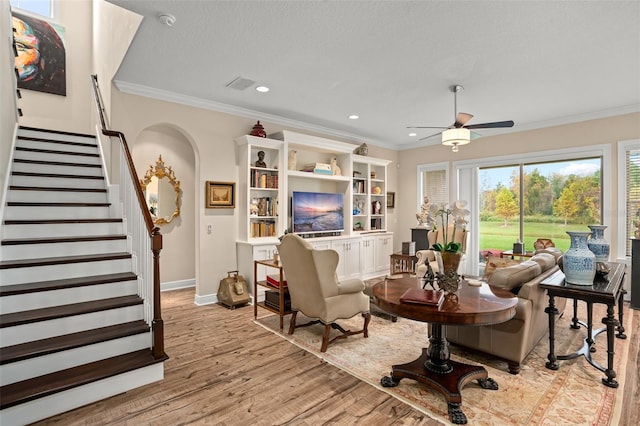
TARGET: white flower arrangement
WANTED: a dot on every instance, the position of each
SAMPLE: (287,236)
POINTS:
(442,215)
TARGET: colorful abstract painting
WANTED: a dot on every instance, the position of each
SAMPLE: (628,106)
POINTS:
(41,60)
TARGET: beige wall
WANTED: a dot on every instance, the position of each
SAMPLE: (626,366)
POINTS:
(71,113)
(177,259)
(7,99)
(211,135)
(605,131)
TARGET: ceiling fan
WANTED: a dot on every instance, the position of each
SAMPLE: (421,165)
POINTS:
(459,133)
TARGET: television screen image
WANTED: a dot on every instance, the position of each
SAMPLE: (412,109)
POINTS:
(317,212)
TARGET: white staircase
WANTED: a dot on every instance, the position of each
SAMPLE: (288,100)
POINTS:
(72,327)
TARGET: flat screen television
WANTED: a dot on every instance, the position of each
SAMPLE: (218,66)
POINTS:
(317,212)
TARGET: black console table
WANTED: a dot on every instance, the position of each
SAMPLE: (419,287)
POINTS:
(605,289)
(419,235)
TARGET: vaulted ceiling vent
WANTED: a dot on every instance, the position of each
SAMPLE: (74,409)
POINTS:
(240,83)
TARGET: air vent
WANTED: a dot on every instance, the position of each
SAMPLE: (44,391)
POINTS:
(240,83)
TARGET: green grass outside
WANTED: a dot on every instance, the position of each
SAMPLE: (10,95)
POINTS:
(495,235)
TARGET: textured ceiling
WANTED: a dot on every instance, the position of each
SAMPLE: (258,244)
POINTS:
(391,62)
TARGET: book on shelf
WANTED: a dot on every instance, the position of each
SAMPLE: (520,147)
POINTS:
(261,179)
(274,280)
(263,228)
(272,299)
(423,296)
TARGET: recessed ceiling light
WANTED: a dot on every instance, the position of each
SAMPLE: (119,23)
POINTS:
(413,134)
(262,89)
(353,117)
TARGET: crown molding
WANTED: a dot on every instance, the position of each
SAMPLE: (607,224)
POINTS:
(165,95)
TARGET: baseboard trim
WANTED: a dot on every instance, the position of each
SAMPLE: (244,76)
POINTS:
(207,299)
(177,285)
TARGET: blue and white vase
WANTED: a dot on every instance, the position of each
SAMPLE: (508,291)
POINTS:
(597,244)
(579,263)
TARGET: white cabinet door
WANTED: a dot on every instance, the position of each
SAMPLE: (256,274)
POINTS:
(369,262)
(263,252)
(349,257)
(384,249)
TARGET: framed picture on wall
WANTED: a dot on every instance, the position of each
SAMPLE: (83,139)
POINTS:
(391,200)
(220,195)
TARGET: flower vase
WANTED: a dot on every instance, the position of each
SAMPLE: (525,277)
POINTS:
(579,263)
(448,263)
(597,244)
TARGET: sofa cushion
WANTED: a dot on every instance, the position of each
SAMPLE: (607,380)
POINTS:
(494,263)
(515,276)
(545,260)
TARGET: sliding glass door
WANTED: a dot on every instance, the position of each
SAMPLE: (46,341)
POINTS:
(527,201)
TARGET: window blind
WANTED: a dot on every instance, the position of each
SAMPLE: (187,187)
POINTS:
(435,186)
(632,162)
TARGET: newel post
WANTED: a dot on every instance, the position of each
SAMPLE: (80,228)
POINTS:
(157,324)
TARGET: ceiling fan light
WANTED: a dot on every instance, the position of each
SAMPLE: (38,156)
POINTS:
(456,137)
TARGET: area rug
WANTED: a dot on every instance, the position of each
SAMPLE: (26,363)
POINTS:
(572,395)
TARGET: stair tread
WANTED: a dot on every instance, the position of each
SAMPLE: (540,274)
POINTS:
(57,132)
(38,387)
(19,263)
(56,175)
(62,311)
(54,189)
(57,152)
(64,342)
(32,287)
(53,240)
(34,139)
(58,221)
(54,204)
(55,163)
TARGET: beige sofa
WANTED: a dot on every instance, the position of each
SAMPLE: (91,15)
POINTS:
(513,340)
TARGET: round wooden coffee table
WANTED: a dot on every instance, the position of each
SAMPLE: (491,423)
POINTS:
(468,306)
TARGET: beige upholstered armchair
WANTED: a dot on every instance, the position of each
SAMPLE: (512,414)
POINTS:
(315,290)
(427,256)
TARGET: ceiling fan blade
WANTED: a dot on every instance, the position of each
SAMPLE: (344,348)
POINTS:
(430,136)
(495,124)
(426,127)
(462,118)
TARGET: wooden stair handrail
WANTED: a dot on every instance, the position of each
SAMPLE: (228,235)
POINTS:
(153,231)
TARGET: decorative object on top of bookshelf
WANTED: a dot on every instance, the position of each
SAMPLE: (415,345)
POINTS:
(391,200)
(258,130)
(362,150)
(335,169)
(221,195)
(373,174)
(356,174)
(320,168)
(260,162)
(293,159)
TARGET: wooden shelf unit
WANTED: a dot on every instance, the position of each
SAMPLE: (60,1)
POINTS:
(282,290)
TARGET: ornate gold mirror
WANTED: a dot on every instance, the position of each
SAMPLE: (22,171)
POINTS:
(162,192)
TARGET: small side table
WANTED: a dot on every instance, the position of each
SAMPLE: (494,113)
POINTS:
(282,290)
(606,290)
(402,263)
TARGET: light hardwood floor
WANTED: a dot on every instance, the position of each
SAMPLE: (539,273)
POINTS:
(224,370)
